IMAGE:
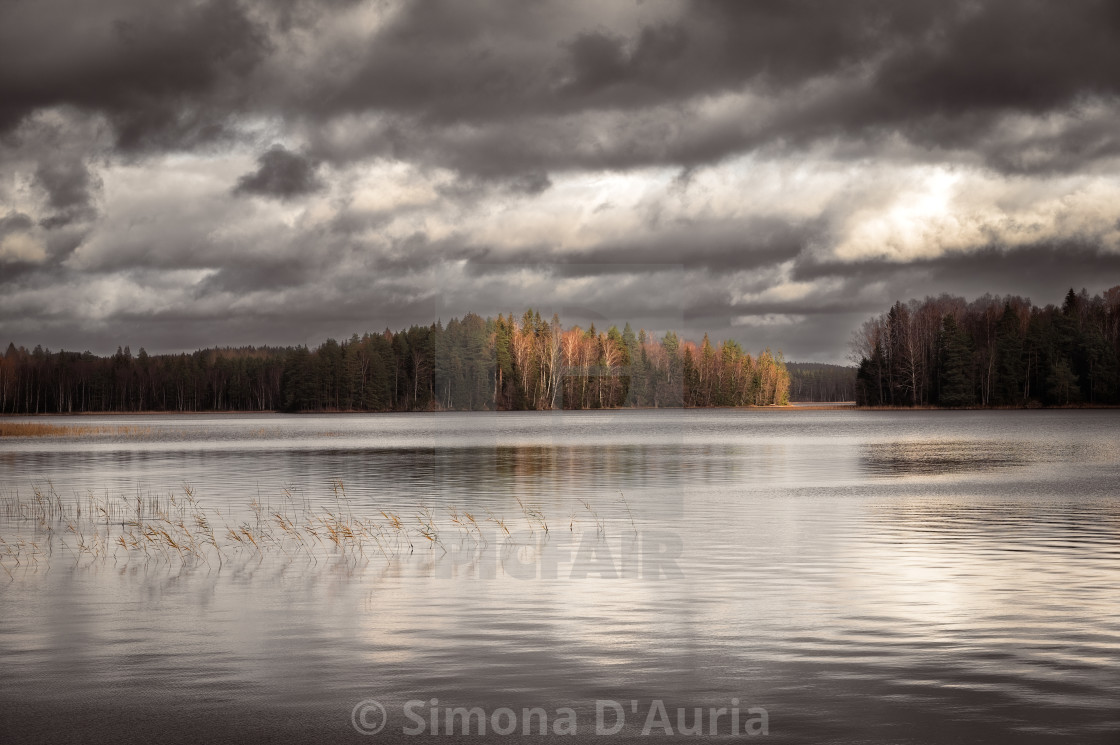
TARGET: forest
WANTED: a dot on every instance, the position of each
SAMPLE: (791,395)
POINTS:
(816,381)
(993,351)
(468,364)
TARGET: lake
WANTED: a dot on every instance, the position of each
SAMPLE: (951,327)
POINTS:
(820,576)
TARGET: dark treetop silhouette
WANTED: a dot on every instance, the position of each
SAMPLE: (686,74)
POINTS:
(994,351)
(470,364)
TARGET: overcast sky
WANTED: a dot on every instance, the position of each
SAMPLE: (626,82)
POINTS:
(177,175)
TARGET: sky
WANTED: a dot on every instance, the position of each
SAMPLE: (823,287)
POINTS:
(175,176)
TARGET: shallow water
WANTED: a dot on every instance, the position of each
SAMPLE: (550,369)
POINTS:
(861,576)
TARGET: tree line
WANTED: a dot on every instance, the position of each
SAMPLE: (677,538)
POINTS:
(817,381)
(993,351)
(469,364)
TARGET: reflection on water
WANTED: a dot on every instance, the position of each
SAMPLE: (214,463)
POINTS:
(864,576)
(943,457)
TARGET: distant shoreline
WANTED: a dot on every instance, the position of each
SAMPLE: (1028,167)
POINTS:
(801,406)
(795,406)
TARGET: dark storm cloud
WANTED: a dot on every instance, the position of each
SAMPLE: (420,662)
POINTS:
(179,78)
(282,174)
(270,273)
(533,182)
(14,222)
(472,188)
(942,74)
(455,62)
(926,64)
(713,248)
(1041,271)
(57,243)
(1030,55)
(70,189)
(511,111)
(67,181)
(164,75)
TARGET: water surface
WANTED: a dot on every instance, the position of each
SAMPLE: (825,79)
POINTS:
(876,577)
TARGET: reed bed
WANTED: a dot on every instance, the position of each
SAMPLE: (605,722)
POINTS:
(176,529)
(43,429)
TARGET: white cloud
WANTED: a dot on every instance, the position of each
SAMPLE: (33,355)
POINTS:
(768,319)
(22,246)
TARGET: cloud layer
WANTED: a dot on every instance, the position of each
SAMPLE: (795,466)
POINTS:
(250,172)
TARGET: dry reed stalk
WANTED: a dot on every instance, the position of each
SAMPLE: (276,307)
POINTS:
(177,529)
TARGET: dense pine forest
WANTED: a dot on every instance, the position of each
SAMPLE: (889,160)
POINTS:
(471,363)
(815,381)
(994,351)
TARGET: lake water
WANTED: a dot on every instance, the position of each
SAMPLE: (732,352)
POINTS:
(878,577)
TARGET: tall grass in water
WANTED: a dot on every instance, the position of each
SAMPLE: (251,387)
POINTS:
(177,529)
